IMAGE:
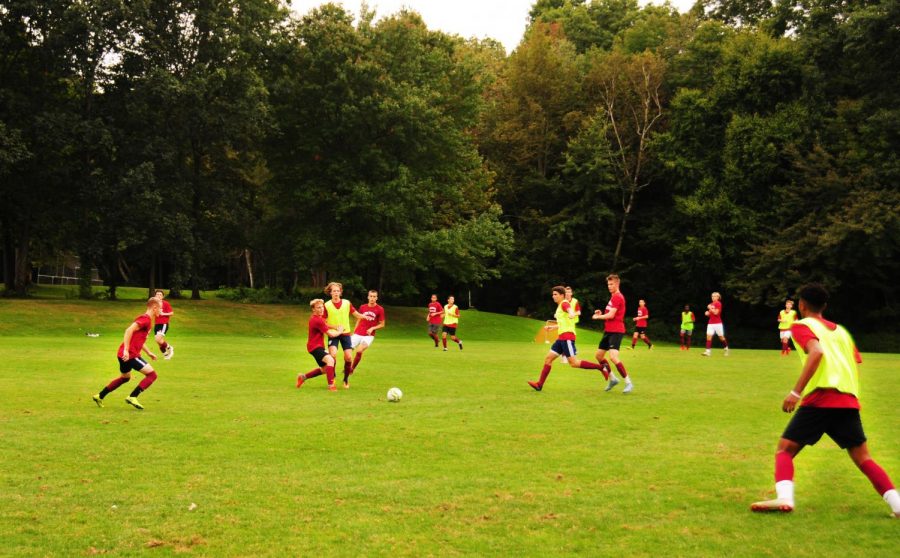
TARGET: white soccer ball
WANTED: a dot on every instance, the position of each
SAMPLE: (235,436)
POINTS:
(394,394)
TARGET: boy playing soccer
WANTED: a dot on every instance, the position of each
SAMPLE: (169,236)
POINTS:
(161,327)
(640,325)
(613,332)
(715,325)
(129,357)
(827,392)
(434,319)
(687,327)
(451,322)
(364,334)
(315,345)
(786,319)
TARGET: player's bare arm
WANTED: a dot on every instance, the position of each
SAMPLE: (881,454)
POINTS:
(149,353)
(814,356)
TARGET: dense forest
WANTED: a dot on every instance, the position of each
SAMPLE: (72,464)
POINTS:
(747,147)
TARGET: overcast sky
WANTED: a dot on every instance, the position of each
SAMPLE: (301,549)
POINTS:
(503,20)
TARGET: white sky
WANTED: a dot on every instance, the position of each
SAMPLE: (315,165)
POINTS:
(503,20)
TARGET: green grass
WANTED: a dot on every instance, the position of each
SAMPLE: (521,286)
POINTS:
(471,462)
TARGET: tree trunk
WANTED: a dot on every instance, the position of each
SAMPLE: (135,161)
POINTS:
(151,290)
(9,259)
(249,266)
(22,278)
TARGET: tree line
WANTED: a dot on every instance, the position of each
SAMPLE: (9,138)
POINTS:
(745,147)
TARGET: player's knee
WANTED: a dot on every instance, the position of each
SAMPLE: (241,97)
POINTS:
(126,377)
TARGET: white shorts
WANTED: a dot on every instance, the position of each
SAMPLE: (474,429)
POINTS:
(355,340)
(715,329)
(784,333)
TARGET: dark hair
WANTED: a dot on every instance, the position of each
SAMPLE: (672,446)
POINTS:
(559,289)
(815,295)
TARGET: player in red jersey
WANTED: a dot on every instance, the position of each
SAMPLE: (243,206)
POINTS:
(129,357)
(364,334)
(434,319)
(827,392)
(640,325)
(315,344)
(161,327)
(715,325)
(565,344)
(613,332)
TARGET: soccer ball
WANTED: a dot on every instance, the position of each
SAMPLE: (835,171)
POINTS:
(394,395)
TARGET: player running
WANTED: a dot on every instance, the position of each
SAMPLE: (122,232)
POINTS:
(640,325)
(315,344)
(451,322)
(565,342)
(434,319)
(364,334)
(715,325)
(129,357)
(827,392)
(161,327)
(786,319)
(687,327)
(613,332)
(337,313)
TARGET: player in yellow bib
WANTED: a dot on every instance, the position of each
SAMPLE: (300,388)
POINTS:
(338,313)
(786,319)
(828,395)
(451,322)
(565,342)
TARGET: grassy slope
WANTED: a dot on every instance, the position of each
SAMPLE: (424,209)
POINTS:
(470,462)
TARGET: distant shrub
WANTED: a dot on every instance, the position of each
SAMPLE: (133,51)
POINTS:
(265,295)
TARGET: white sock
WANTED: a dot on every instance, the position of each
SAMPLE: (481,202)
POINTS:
(785,491)
(893,500)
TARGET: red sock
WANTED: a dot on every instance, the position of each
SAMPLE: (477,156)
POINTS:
(444,341)
(604,367)
(147,381)
(329,373)
(620,366)
(356,360)
(545,371)
(688,342)
(647,341)
(877,476)
(113,385)
(313,373)
(784,466)
(708,344)
(164,347)
(682,339)
(589,365)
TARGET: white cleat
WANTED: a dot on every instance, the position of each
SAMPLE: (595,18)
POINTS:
(628,387)
(776,505)
(613,382)
(726,351)
(706,353)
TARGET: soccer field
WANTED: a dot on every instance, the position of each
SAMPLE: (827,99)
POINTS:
(229,459)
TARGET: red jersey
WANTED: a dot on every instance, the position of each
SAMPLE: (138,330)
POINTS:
(830,398)
(318,329)
(434,313)
(138,337)
(717,317)
(374,316)
(167,308)
(642,315)
(617,323)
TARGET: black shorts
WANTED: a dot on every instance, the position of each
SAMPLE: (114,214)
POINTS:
(450,329)
(344,340)
(611,341)
(641,330)
(137,364)
(319,354)
(842,425)
(161,328)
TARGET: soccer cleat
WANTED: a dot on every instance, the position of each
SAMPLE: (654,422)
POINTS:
(460,345)
(170,350)
(134,403)
(631,347)
(300,380)
(707,352)
(613,382)
(346,385)
(726,351)
(650,348)
(445,348)
(776,505)
(332,387)
(628,387)
(536,386)
(98,400)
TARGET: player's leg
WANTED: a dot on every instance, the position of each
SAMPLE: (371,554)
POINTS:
(646,340)
(444,339)
(456,340)
(634,339)
(124,377)
(784,477)
(552,355)
(721,333)
(149,378)
(689,337)
(848,433)
(620,366)
(360,349)
(600,357)
(328,367)
(710,331)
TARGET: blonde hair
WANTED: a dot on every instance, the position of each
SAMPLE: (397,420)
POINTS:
(329,286)
(153,301)
(716,294)
(315,301)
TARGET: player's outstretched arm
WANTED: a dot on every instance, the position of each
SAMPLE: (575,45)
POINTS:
(149,353)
